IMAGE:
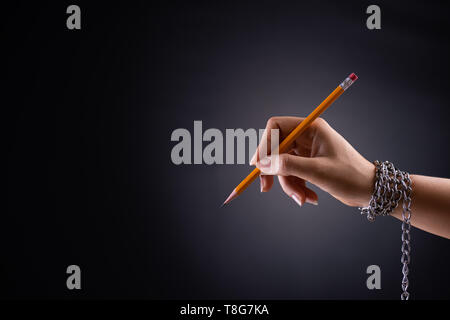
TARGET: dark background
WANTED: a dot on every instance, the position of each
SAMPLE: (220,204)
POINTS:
(88,116)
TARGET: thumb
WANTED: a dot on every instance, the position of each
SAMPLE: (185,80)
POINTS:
(288,165)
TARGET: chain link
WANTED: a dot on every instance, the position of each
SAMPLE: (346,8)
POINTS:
(392,186)
(406,233)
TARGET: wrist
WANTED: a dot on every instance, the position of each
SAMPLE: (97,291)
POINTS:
(367,184)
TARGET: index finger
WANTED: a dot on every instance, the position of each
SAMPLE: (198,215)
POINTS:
(284,125)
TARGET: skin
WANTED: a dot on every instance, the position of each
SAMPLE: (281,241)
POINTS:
(324,158)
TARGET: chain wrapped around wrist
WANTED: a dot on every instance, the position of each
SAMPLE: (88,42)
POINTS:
(391,187)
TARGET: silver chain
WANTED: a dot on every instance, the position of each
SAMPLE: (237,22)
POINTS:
(392,186)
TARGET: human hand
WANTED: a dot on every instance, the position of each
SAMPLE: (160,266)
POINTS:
(320,156)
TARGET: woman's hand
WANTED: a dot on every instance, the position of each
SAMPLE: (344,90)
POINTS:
(320,156)
(323,157)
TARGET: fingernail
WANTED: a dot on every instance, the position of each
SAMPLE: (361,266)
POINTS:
(261,180)
(297,199)
(314,202)
(264,163)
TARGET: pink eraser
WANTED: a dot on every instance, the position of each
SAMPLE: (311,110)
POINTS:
(353,77)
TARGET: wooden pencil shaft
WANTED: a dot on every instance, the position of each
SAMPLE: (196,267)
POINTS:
(294,135)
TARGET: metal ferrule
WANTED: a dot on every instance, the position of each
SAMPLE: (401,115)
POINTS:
(346,83)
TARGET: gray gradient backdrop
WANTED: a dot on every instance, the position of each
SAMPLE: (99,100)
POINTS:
(264,245)
(101,191)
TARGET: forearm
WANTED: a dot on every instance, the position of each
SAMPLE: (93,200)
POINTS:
(430,205)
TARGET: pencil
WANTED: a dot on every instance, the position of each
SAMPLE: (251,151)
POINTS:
(296,133)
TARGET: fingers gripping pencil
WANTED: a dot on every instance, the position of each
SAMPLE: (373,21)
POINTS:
(296,133)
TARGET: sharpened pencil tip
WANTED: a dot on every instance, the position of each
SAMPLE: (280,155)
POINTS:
(233,195)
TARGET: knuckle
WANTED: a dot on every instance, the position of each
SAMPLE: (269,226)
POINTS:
(272,122)
(283,163)
(321,121)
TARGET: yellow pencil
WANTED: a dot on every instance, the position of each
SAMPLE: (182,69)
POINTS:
(296,133)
